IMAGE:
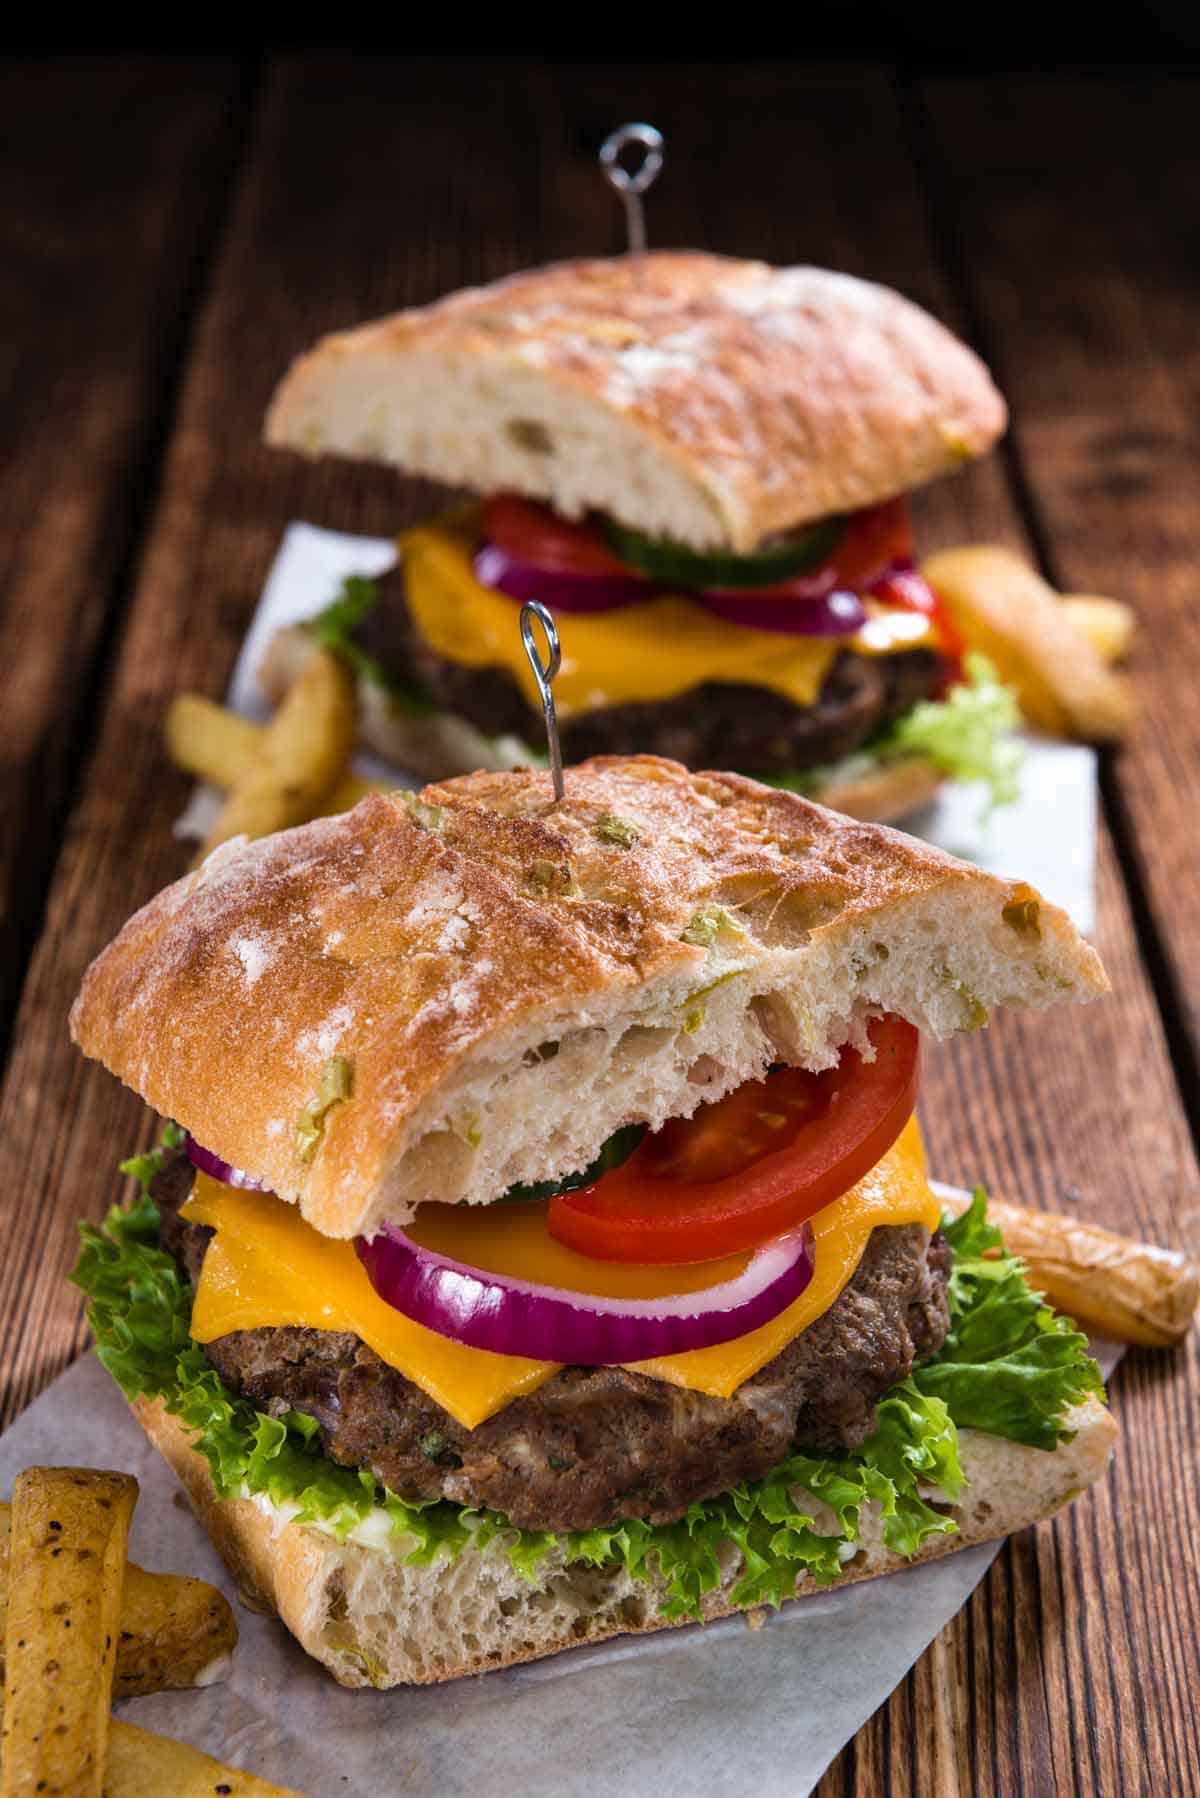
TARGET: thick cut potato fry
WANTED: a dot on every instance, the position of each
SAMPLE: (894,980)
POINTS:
(304,751)
(70,1526)
(222,747)
(1106,623)
(1117,1287)
(141,1765)
(1003,607)
(175,1631)
(211,742)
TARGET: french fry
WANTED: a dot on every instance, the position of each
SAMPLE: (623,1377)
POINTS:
(1117,1287)
(70,1526)
(141,1765)
(211,742)
(1106,623)
(175,1631)
(1003,607)
(222,747)
(303,752)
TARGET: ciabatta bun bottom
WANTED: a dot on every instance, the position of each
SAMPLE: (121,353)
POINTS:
(372,1620)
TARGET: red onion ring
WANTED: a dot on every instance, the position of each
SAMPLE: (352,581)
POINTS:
(550,1323)
(837,614)
(553,587)
(216,1169)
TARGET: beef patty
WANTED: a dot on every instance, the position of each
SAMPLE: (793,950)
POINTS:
(716,725)
(595,1444)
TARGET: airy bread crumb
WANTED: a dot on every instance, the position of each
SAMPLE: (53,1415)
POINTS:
(690,396)
(508,981)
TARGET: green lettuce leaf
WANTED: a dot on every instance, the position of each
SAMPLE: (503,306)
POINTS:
(334,629)
(1009,1365)
(967,736)
(616,1150)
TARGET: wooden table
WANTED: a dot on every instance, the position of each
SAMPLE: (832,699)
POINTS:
(174,231)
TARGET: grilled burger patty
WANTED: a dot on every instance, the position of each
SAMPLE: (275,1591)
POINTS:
(716,725)
(595,1444)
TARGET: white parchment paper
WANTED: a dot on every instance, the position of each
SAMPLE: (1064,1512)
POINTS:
(1047,838)
(694,1713)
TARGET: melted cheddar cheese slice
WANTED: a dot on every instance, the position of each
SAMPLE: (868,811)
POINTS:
(267,1267)
(651,651)
(896,1191)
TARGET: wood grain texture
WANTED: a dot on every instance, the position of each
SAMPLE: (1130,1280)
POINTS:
(1074,1666)
(109,188)
(1088,307)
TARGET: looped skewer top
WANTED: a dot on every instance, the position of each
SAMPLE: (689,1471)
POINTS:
(632,184)
(543,674)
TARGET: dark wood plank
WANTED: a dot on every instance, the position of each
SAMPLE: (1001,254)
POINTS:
(111,181)
(1074,212)
(375,185)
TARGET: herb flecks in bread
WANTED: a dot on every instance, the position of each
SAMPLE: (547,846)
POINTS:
(435,965)
(693,397)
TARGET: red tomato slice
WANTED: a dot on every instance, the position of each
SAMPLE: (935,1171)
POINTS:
(874,540)
(751,1165)
(534,533)
(910,590)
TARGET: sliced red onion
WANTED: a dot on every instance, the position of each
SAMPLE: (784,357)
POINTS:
(551,1323)
(561,591)
(211,1164)
(837,614)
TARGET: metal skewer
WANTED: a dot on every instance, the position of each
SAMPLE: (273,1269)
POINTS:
(632,184)
(543,674)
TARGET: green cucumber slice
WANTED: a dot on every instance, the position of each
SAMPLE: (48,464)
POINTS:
(674,562)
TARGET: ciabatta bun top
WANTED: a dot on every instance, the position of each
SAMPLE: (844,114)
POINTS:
(505,981)
(689,396)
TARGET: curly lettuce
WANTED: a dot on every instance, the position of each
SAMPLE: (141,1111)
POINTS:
(1009,1366)
(968,736)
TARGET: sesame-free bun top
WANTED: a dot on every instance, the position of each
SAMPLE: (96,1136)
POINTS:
(689,396)
(498,982)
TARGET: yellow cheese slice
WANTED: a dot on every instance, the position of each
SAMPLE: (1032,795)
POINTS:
(896,1191)
(640,653)
(266,1267)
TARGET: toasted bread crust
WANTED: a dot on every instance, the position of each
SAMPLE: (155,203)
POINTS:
(372,1620)
(716,400)
(886,793)
(439,961)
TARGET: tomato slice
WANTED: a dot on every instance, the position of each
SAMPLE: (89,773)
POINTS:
(534,533)
(876,540)
(909,590)
(751,1165)
(873,541)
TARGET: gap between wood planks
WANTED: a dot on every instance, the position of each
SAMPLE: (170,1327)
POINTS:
(41,839)
(940,208)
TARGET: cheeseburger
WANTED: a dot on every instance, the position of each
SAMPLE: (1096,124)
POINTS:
(541,1246)
(702,466)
